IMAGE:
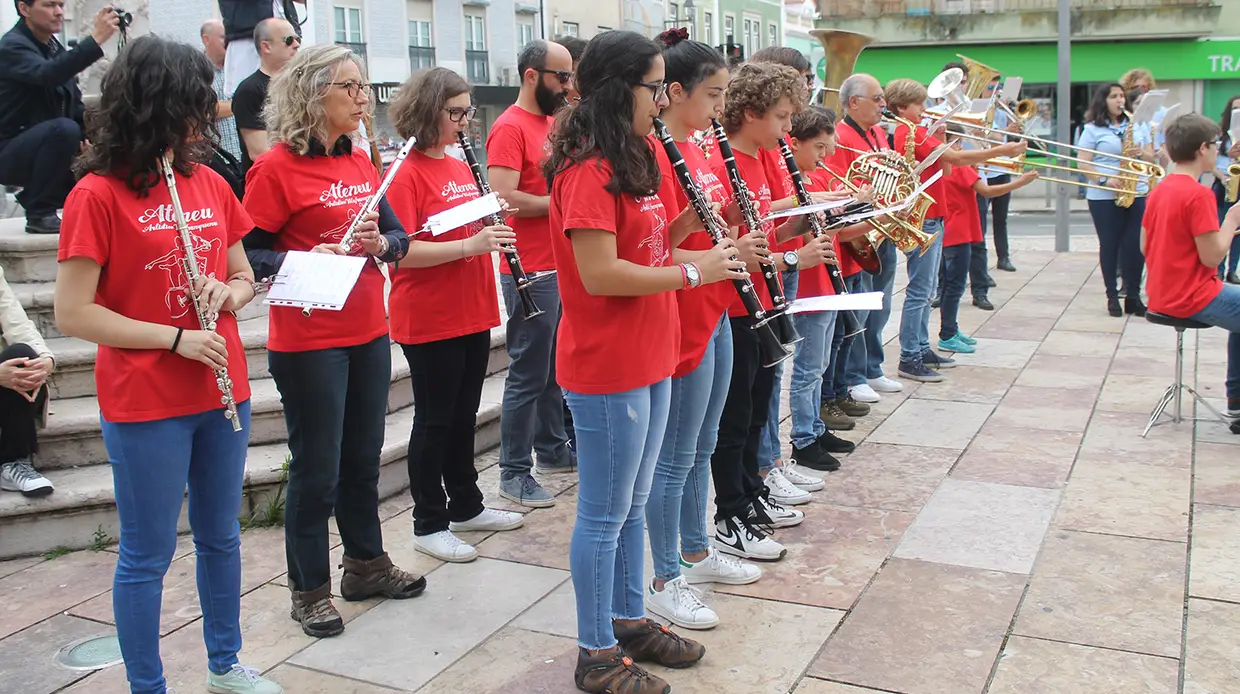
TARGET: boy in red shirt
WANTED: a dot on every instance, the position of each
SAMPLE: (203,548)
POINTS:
(1183,244)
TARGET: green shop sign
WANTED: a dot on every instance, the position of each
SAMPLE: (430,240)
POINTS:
(1037,63)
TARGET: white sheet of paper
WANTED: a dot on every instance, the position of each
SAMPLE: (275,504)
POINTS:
(463,214)
(1235,126)
(1150,103)
(868,301)
(1011,88)
(807,209)
(315,280)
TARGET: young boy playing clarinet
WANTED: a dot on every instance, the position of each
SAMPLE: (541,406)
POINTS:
(1183,244)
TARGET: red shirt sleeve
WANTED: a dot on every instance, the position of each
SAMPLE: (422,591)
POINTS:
(264,195)
(592,207)
(86,228)
(968,176)
(1201,218)
(235,216)
(506,147)
(404,201)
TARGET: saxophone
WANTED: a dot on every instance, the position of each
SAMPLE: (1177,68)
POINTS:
(1128,183)
(1233,183)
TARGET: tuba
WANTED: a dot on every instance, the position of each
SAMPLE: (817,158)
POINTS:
(842,48)
(980,75)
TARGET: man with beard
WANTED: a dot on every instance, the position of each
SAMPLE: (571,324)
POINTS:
(532,415)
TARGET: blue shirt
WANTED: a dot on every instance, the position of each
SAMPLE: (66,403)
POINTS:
(1108,139)
(1001,121)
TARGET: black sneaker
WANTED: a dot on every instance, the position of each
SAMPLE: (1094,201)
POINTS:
(918,371)
(46,224)
(1006,265)
(935,360)
(990,282)
(1134,305)
(983,303)
(815,457)
(1113,307)
(830,443)
(936,302)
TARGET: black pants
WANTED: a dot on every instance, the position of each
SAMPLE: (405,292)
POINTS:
(40,160)
(1000,207)
(447,380)
(734,464)
(1119,243)
(18,430)
(335,401)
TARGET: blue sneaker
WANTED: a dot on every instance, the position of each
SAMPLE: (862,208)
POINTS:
(917,371)
(966,339)
(955,344)
(935,360)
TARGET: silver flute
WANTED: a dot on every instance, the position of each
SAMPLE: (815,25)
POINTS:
(189,262)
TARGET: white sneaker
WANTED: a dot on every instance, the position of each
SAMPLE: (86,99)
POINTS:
(793,474)
(784,491)
(718,567)
(779,516)
(446,546)
(739,538)
(883,384)
(681,604)
(864,393)
(20,476)
(241,680)
(489,519)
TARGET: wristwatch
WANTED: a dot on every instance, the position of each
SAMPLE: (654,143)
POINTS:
(791,259)
(692,275)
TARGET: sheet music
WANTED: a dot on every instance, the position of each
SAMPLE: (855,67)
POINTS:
(465,213)
(868,301)
(1011,89)
(809,209)
(1234,131)
(1150,103)
(315,280)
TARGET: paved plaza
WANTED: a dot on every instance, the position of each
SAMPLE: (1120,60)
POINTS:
(1006,531)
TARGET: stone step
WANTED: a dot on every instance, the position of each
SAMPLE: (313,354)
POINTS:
(84,504)
(26,257)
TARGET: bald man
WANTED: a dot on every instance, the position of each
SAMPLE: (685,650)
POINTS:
(212,35)
(276,43)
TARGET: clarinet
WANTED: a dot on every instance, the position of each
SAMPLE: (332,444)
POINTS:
(514,261)
(189,263)
(851,325)
(770,272)
(773,351)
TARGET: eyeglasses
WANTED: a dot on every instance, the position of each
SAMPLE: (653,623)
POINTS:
(877,98)
(290,40)
(659,89)
(456,115)
(561,75)
(809,81)
(354,88)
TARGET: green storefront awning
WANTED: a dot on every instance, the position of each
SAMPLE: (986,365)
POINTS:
(1037,63)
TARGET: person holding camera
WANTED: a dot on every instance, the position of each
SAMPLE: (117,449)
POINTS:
(41,110)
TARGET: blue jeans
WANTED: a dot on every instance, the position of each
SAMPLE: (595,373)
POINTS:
(841,347)
(152,462)
(923,275)
(808,367)
(678,496)
(768,445)
(956,261)
(618,441)
(854,364)
(1224,312)
(866,361)
(532,414)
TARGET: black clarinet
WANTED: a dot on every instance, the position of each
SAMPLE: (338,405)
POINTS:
(773,351)
(852,326)
(770,272)
(519,277)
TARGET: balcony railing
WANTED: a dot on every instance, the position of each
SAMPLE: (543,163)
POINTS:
(477,67)
(875,8)
(421,57)
(358,49)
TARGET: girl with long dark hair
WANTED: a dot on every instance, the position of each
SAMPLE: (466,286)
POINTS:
(1229,153)
(122,286)
(442,308)
(617,347)
(1118,228)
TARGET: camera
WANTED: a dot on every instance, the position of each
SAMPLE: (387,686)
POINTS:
(125,17)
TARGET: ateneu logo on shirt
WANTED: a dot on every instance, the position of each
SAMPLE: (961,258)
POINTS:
(709,183)
(656,241)
(453,191)
(161,217)
(340,194)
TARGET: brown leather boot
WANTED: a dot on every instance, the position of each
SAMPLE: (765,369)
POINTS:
(613,672)
(651,642)
(366,579)
(316,613)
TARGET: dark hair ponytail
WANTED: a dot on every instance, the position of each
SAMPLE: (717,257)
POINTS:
(688,62)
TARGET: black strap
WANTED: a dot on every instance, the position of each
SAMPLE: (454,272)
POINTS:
(177,342)
(863,132)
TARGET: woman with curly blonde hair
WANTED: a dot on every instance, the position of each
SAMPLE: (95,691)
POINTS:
(333,368)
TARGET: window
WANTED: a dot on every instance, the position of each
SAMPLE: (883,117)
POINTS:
(772,35)
(477,62)
(525,33)
(421,54)
(348,25)
(753,35)
(708,28)
(673,13)
(602,28)
(570,29)
(729,28)
(475,33)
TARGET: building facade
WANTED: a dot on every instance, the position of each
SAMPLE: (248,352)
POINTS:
(578,18)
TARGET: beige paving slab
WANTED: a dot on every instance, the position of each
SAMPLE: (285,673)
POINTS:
(26,658)
(981,525)
(1122,499)
(1116,437)
(54,587)
(398,505)
(1216,475)
(979,384)
(12,566)
(1134,394)
(1046,306)
(923,627)
(304,681)
(513,660)
(883,476)
(542,541)
(1090,320)
(1148,361)
(1078,343)
(1210,430)
(1056,409)
(831,556)
(1014,326)
(1212,663)
(466,596)
(1142,333)
(554,614)
(1034,665)
(933,424)
(1102,590)
(1000,354)
(1214,571)
(1020,456)
(1074,373)
(811,685)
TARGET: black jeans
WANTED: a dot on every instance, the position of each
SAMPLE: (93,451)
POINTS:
(1000,206)
(1119,243)
(335,401)
(18,430)
(40,160)
(447,380)
(734,464)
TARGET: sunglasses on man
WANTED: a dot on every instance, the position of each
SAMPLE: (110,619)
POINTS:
(561,75)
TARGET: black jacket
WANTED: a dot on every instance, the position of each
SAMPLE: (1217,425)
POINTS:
(241,16)
(38,82)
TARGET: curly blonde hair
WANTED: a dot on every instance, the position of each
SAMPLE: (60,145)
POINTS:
(755,88)
(294,111)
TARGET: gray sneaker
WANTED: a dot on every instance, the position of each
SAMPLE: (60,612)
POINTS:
(566,466)
(918,371)
(523,489)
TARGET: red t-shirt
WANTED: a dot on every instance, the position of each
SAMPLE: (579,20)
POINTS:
(519,141)
(449,300)
(611,344)
(754,172)
(1178,211)
(816,281)
(848,138)
(963,223)
(306,201)
(924,146)
(700,309)
(145,280)
(819,179)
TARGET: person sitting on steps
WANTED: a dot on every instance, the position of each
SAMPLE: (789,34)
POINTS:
(25,364)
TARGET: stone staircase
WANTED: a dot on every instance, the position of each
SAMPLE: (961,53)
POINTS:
(71,450)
